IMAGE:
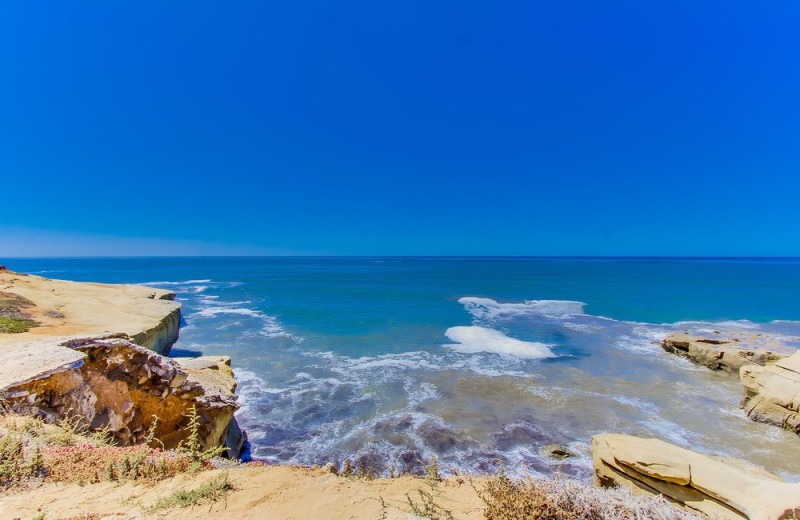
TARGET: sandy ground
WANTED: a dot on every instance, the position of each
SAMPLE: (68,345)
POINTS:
(262,492)
(87,308)
(65,309)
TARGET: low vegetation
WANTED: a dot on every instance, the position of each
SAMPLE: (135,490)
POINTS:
(15,325)
(31,450)
(13,319)
(210,492)
(560,498)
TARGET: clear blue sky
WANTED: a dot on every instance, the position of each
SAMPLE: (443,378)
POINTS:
(493,128)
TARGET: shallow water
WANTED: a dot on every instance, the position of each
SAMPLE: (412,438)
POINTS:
(478,362)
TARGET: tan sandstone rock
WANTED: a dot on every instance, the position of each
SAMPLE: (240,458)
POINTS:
(62,308)
(772,393)
(717,486)
(726,353)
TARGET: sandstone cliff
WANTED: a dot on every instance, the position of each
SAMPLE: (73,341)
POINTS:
(95,355)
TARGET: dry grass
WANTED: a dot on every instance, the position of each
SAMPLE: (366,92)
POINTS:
(31,450)
(85,463)
(211,491)
(559,498)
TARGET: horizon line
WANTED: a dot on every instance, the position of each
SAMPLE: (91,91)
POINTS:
(673,257)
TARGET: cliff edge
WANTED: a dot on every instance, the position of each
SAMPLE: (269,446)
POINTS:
(95,353)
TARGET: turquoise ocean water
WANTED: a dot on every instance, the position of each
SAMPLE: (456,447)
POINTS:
(477,361)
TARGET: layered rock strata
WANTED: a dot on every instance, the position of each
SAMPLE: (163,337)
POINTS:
(717,486)
(149,316)
(772,393)
(726,353)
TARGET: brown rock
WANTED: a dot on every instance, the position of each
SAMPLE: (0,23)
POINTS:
(121,386)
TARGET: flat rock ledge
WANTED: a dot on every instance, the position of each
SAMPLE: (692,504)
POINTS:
(717,486)
(116,385)
(772,393)
(726,353)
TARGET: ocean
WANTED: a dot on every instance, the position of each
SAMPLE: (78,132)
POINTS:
(478,362)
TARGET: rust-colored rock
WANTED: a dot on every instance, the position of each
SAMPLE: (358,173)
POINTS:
(121,387)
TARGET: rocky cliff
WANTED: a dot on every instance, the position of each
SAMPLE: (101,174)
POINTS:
(94,355)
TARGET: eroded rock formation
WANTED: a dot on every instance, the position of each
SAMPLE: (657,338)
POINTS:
(717,486)
(720,352)
(122,387)
(772,393)
(95,355)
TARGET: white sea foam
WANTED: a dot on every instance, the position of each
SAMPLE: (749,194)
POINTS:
(211,312)
(270,328)
(470,340)
(184,282)
(488,309)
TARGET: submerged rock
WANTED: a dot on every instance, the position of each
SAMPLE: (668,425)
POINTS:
(772,393)
(717,486)
(725,353)
(556,451)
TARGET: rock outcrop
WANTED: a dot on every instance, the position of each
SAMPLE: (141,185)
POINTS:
(95,354)
(121,387)
(772,393)
(149,316)
(726,353)
(717,486)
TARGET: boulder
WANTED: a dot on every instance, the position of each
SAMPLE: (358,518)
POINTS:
(111,383)
(717,486)
(772,393)
(726,353)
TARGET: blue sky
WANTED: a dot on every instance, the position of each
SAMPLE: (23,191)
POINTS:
(441,128)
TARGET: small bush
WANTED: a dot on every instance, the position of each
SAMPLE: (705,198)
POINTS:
(15,325)
(564,499)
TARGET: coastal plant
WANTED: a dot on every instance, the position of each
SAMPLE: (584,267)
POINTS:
(212,491)
(15,325)
(559,498)
(432,470)
(192,445)
(347,469)
(89,463)
(13,320)
(423,504)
